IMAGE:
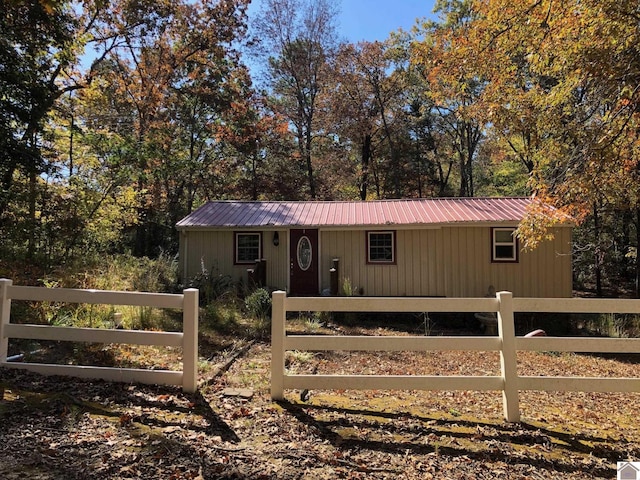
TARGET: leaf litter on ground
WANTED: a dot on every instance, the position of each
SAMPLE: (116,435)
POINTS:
(63,428)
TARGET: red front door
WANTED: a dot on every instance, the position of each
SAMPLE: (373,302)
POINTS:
(303,259)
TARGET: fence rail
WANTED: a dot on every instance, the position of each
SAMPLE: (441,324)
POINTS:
(187,339)
(506,343)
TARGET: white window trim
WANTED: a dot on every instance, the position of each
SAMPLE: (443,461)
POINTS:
(513,244)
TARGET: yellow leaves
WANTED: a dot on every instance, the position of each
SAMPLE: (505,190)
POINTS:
(559,86)
(50,6)
(537,225)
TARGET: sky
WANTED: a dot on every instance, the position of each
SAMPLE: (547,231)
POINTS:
(374,19)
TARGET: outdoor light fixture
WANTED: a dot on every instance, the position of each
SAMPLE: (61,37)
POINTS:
(276,239)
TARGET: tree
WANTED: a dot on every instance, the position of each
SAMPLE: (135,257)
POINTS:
(365,109)
(385,88)
(175,77)
(563,93)
(454,87)
(299,36)
(431,152)
(352,110)
(35,44)
(77,142)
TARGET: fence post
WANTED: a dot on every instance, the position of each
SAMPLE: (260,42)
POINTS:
(278,332)
(190,307)
(508,360)
(5,317)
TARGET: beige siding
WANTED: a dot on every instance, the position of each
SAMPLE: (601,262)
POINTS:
(277,260)
(416,271)
(543,272)
(452,262)
(215,250)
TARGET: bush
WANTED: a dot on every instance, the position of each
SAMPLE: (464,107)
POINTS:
(258,303)
(614,325)
(156,275)
(111,272)
(221,317)
(348,318)
(211,285)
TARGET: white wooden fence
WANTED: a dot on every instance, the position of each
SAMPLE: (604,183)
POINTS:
(509,382)
(187,339)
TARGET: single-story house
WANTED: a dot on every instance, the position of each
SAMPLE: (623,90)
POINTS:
(450,247)
(628,470)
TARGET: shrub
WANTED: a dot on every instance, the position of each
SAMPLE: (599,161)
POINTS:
(348,318)
(258,303)
(109,272)
(220,317)
(156,275)
(348,290)
(615,325)
(211,285)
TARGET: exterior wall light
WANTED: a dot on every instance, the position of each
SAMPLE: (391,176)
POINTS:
(276,239)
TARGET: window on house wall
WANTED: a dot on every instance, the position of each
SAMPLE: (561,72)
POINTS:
(248,247)
(381,247)
(504,246)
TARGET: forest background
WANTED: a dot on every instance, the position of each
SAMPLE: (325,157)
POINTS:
(118,118)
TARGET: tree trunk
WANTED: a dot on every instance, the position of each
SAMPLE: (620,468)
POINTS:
(626,263)
(597,253)
(419,167)
(470,149)
(141,237)
(71,128)
(366,155)
(7,182)
(312,184)
(463,174)
(32,212)
(254,173)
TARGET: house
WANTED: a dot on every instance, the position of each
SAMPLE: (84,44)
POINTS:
(451,247)
(628,471)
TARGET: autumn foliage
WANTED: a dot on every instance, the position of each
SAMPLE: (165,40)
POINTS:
(119,118)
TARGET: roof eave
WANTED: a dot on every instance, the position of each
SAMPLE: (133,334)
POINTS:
(394,226)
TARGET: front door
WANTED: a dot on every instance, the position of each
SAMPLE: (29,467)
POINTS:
(303,258)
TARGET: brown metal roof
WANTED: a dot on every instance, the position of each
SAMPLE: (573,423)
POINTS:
(424,211)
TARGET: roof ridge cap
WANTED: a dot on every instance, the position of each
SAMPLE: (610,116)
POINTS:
(380,200)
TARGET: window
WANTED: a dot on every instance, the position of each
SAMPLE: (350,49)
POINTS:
(381,247)
(305,253)
(504,245)
(248,247)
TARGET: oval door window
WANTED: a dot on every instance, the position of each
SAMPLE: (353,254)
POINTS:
(304,253)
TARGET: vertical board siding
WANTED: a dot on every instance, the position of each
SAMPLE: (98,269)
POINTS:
(415,272)
(414,265)
(211,250)
(450,261)
(215,251)
(277,259)
(538,273)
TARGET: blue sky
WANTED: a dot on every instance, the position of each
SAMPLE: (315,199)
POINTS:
(374,19)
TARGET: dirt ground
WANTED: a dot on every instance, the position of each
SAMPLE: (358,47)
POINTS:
(60,428)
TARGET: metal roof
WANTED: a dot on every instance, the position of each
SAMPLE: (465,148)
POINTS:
(423,211)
